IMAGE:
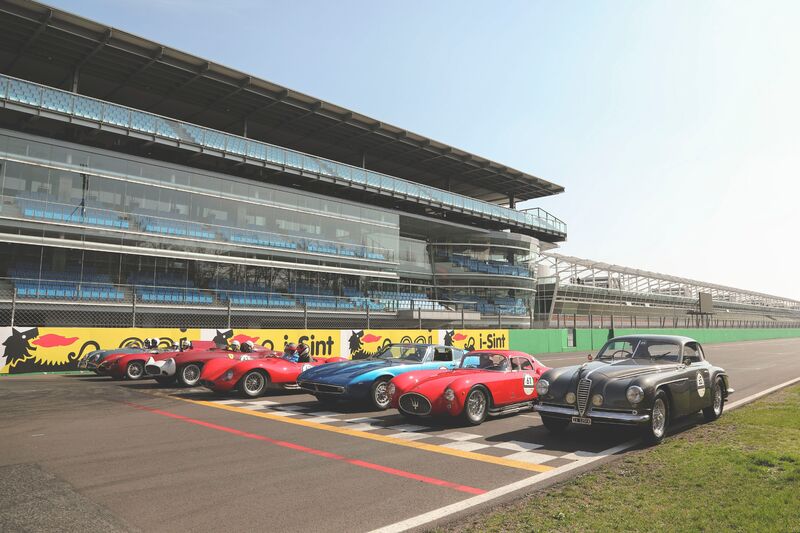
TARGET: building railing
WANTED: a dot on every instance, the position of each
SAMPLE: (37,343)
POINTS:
(82,108)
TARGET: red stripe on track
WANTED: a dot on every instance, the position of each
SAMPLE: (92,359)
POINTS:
(313,451)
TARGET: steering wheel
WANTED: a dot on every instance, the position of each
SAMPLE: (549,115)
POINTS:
(625,352)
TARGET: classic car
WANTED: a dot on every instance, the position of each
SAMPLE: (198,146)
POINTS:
(184,367)
(131,365)
(493,382)
(640,380)
(91,360)
(368,379)
(253,376)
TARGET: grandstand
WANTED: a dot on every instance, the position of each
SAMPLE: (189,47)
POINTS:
(142,185)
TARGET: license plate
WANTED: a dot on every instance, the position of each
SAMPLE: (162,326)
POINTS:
(582,420)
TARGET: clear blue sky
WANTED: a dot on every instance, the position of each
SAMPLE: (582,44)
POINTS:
(675,126)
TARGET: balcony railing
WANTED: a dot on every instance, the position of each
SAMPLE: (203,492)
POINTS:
(83,108)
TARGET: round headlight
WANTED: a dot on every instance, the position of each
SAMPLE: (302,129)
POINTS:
(391,389)
(597,400)
(542,387)
(570,397)
(228,375)
(634,394)
(449,395)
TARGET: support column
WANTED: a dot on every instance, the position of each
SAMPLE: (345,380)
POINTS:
(75,80)
(512,202)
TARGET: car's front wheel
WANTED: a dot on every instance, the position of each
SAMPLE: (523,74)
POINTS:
(656,430)
(189,375)
(714,411)
(476,405)
(379,394)
(254,383)
(555,424)
(135,370)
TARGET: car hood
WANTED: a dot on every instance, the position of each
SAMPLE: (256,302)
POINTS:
(433,385)
(566,378)
(348,370)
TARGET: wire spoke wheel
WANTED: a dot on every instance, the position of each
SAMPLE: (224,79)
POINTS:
(253,383)
(659,418)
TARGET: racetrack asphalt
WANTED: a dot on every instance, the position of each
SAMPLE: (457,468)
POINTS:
(85,453)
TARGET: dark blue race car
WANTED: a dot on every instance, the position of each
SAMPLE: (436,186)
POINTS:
(367,379)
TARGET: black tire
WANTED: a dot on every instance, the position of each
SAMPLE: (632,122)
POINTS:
(253,384)
(165,381)
(555,424)
(714,411)
(655,431)
(189,375)
(135,370)
(325,399)
(378,396)
(476,406)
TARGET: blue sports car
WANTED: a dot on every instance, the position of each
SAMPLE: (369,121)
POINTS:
(367,379)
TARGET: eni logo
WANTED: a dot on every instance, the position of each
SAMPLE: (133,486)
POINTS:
(701,385)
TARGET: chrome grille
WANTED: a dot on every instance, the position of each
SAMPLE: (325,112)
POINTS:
(414,403)
(583,394)
(313,388)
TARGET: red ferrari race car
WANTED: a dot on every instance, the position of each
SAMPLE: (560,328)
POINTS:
(184,367)
(494,382)
(117,364)
(253,377)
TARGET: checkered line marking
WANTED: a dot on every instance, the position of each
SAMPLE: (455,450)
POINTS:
(389,425)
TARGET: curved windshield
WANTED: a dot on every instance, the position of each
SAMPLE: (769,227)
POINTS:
(405,352)
(642,349)
(485,361)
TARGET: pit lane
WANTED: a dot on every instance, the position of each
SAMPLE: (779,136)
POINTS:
(162,473)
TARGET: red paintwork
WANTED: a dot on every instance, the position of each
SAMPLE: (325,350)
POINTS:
(505,387)
(116,365)
(204,356)
(279,370)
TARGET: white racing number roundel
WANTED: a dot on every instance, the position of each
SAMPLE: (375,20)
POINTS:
(305,367)
(701,385)
(527,384)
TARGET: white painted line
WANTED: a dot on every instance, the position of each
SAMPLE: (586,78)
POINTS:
(228,402)
(459,435)
(453,508)
(465,446)
(321,419)
(447,510)
(518,446)
(406,427)
(530,457)
(410,435)
(756,396)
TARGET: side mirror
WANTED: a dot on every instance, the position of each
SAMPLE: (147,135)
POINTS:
(687,361)
(589,357)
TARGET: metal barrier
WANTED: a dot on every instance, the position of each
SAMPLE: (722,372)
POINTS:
(70,303)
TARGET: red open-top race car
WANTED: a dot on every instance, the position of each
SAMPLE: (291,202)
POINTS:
(252,378)
(185,367)
(491,382)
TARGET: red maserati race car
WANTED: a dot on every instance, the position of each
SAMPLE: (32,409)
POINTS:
(129,364)
(185,367)
(493,382)
(253,377)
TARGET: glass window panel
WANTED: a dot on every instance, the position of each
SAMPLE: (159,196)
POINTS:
(293,159)
(276,155)
(109,165)
(344,171)
(24,93)
(190,133)
(215,140)
(86,108)
(327,168)
(143,122)
(373,179)
(166,128)
(310,164)
(205,183)
(116,115)
(56,100)
(256,150)
(235,145)
(3,86)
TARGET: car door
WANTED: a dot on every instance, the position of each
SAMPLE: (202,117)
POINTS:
(505,384)
(699,376)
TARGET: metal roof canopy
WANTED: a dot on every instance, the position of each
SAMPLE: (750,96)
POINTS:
(48,46)
(566,265)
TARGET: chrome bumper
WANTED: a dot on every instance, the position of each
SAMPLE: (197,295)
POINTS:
(608,417)
(317,388)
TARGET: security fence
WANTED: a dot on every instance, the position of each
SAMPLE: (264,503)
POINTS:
(60,303)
